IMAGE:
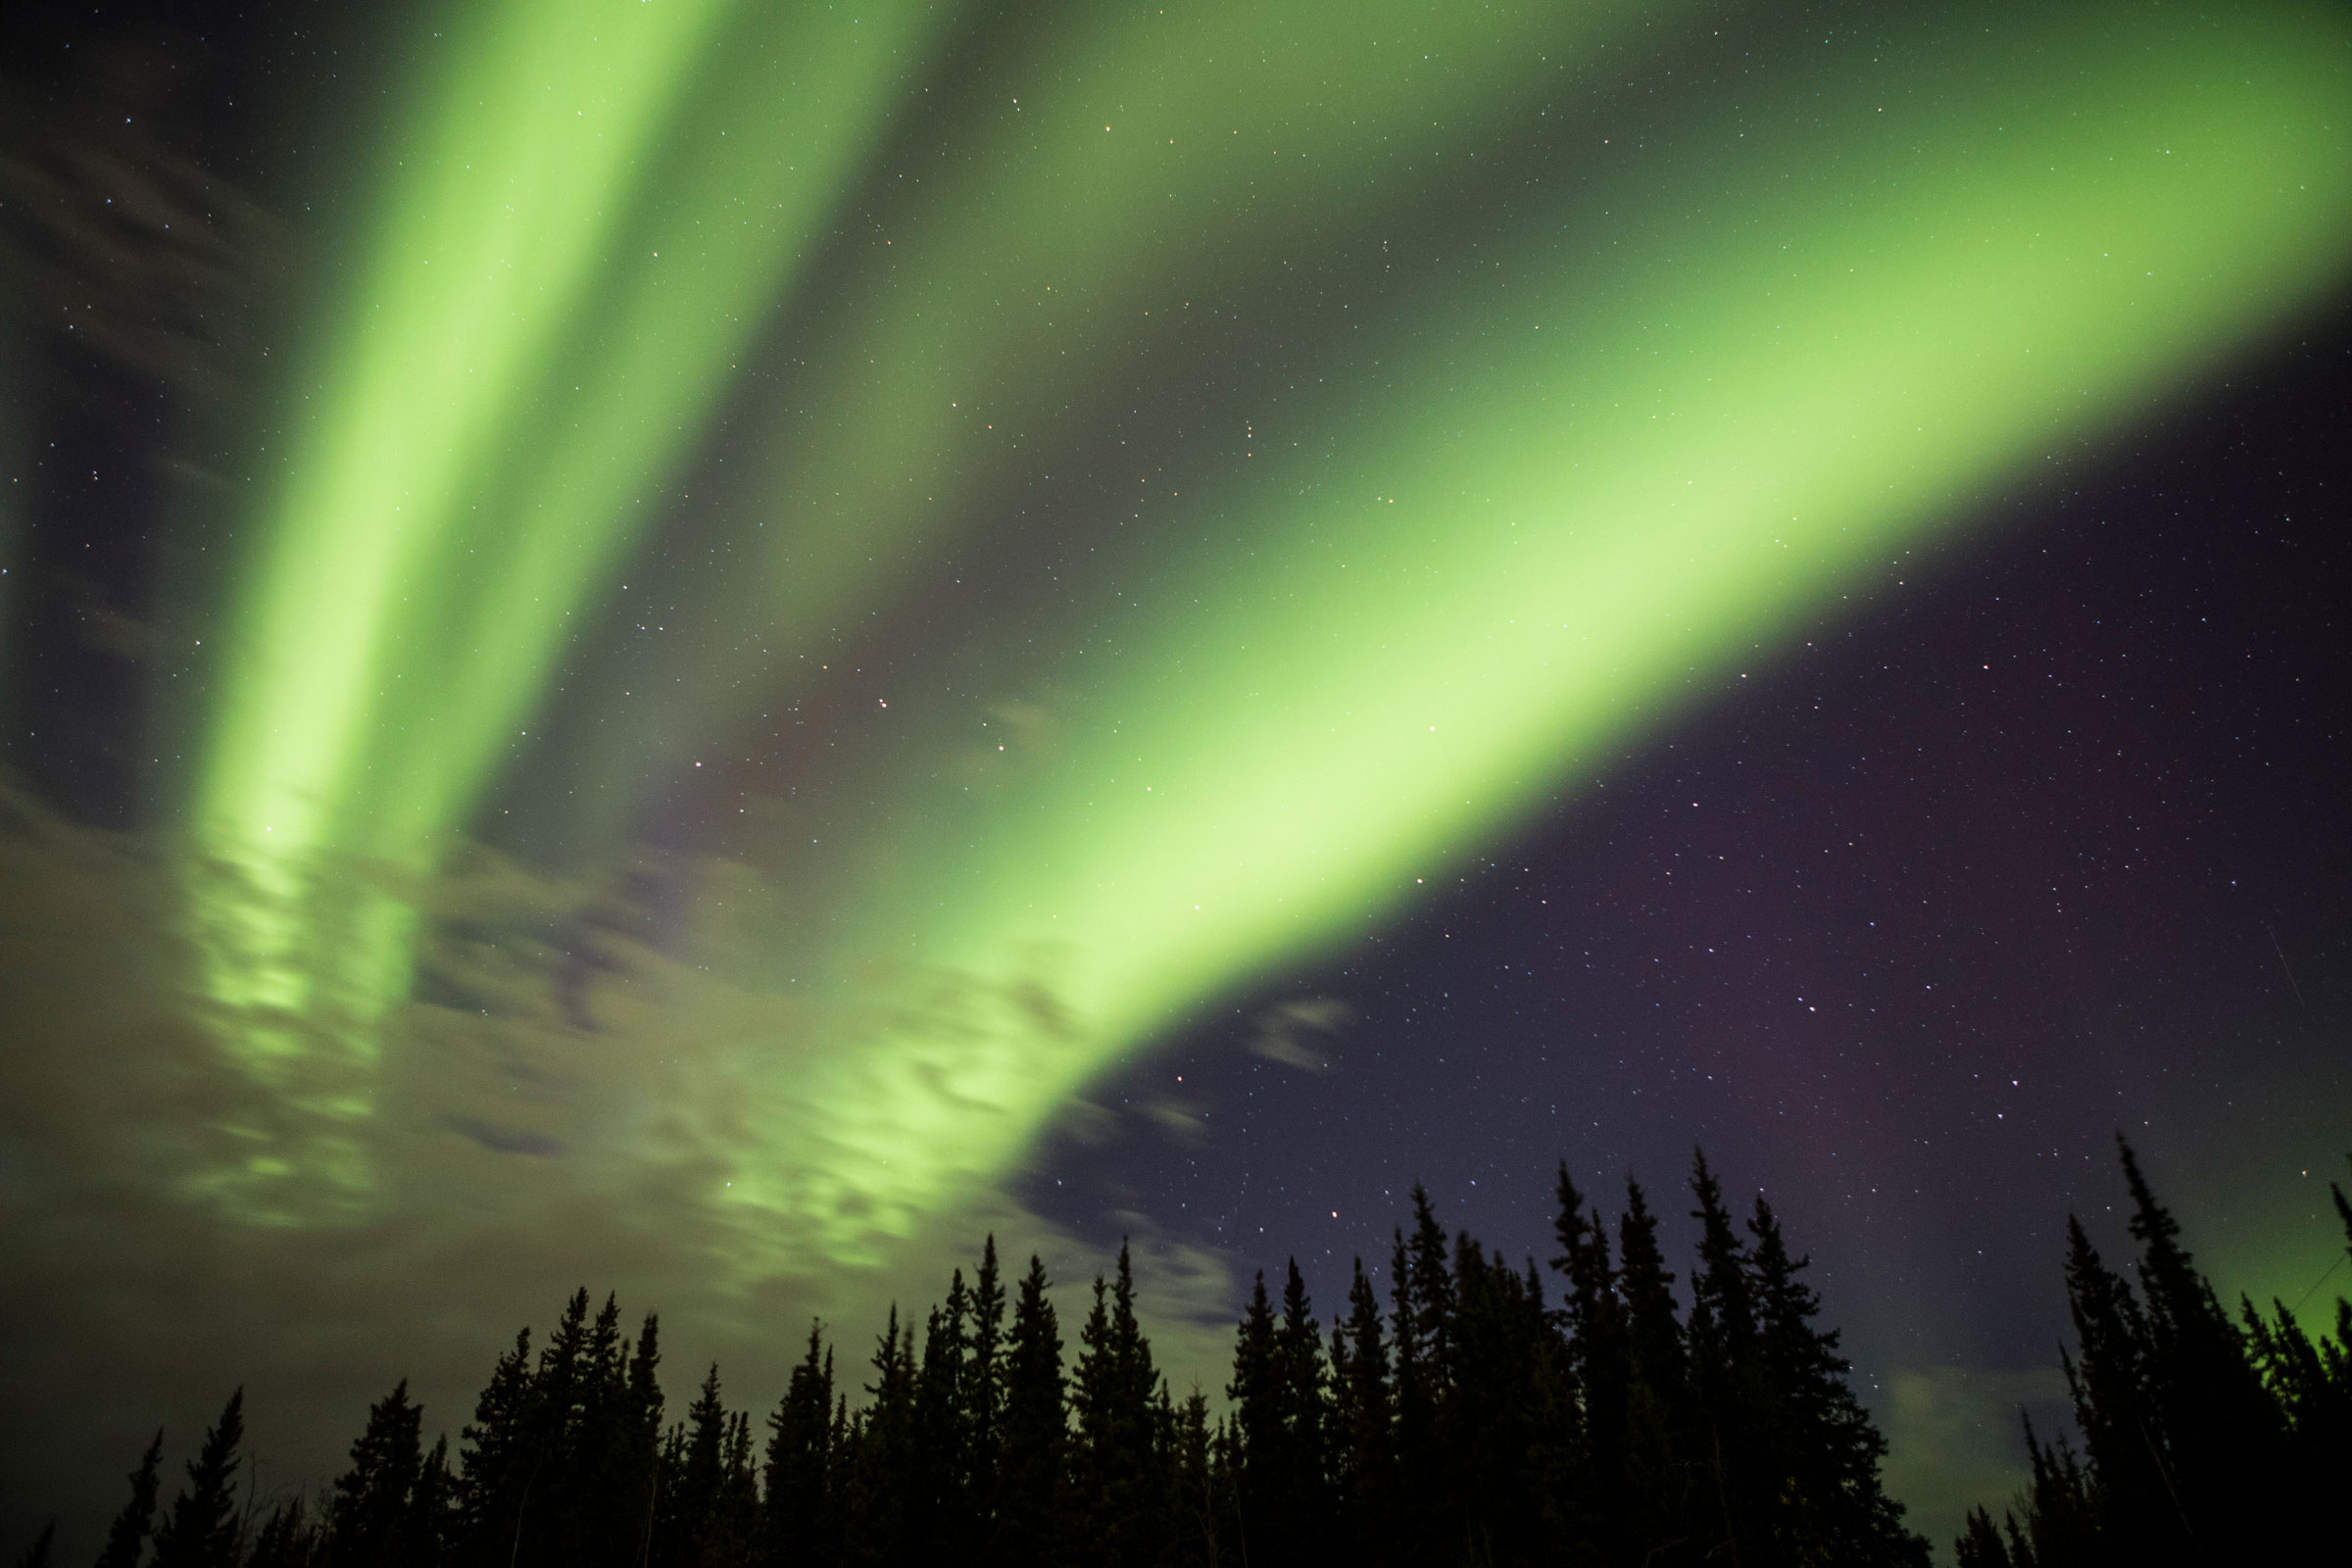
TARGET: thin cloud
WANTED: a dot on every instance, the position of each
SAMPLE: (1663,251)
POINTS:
(1299,1034)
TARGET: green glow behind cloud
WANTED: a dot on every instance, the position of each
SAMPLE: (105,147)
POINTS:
(1590,478)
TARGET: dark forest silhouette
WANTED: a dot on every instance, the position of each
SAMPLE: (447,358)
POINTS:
(1463,1420)
(2205,1439)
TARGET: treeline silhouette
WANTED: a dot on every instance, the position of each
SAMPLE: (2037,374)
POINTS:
(1463,1419)
(2205,1439)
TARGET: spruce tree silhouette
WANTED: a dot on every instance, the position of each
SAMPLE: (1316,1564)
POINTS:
(201,1530)
(547,1505)
(1257,1433)
(1421,1326)
(2222,1435)
(1658,1468)
(593,1515)
(1600,1370)
(1031,1463)
(637,1478)
(2205,1439)
(937,1503)
(983,1391)
(881,1470)
(1199,1505)
(692,1514)
(374,1522)
(1509,1416)
(1121,1490)
(1300,1459)
(495,1464)
(1362,1423)
(1727,1381)
(1832,1506)
(1283,1425)
(127,1535)
(290,1538)
(799,1463)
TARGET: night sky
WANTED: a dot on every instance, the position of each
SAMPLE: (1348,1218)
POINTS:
(723,775)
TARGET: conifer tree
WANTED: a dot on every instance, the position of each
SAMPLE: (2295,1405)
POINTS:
(2065,1508)
(1658,1470)
(663,1541)
(559,1465)
(1981,1544)
(2315,1401)
(2107,1375)
(1031,1460)
(201,1530)
(637,1482)
(731,1535)
(1431,1290)
(1301,1376)
(1600,1371)
(1256,1428)
(43,1545)
(1726,1378)
(1421,1326)
(1199,1505)
(1364,1420)
(2225,1439)
(127,1535)
(548,1510)
(693,1514)
(1279,1418)
(1410,1388)
(495,1466)
(374,1521)
(289,1537)
(598,1484)
(1832,1506)
(2204,1439)
(939,1501)
(800,1463)
(1121,1490)
(1511,1425)
(983,1391)
(883,1452)
(433,1507)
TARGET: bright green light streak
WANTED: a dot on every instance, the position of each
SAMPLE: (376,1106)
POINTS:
(1137,160)
(1562,524)
(596,208)
(786,116)
(495,220)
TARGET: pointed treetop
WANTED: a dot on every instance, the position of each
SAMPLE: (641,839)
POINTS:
(127,1535)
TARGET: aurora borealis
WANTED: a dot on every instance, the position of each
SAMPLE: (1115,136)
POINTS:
(807,588)
(1521,551)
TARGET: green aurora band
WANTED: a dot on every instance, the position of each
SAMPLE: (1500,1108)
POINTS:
(440,517)
(1592,478)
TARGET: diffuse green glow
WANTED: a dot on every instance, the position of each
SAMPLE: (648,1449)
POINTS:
(1634,474)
